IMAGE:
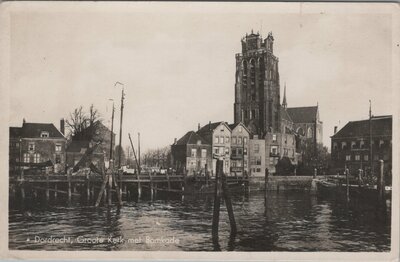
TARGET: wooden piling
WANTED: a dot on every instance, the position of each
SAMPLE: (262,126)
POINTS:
(266,187)
(139,189)
(151,186)
(102,191)
(347,185)
(110,179)
(87,187)
(22,185)
(169,182)
(55,191)
(217,202)
(69,184)
(47,187)
(228,203)
(117,187)
(381,183)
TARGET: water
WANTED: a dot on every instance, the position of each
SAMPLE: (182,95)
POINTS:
(293,221)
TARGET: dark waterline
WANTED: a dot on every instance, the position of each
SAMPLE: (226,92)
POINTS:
(293,221)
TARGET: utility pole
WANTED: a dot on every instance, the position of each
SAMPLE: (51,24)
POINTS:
(120,128)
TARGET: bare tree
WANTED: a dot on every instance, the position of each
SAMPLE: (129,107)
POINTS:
(82,125)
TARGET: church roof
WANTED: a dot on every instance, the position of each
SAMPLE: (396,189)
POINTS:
(303,114)
(285,115)
(381,126)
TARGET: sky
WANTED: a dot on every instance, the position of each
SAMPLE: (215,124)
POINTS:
(178,67)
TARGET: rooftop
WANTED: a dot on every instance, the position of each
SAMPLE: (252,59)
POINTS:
(380,126)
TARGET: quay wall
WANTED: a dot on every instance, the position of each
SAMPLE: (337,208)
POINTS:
(281,183)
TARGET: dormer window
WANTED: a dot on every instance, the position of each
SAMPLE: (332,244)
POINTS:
(44,134)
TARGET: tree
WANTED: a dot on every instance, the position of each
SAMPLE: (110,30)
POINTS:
(83,125)
(284,167)
(312,157)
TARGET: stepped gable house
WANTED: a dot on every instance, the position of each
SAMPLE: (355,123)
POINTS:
(37,145)
(351,145)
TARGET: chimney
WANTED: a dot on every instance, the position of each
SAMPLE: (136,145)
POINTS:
(198,126)
(209,126)
(23,120)
(62,126)
(335,130)
(175,141)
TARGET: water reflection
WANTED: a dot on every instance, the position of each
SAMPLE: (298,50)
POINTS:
(284,221)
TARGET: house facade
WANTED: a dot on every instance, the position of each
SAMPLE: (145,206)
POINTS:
(240,144)
(37,145)
(191,154)
(351,146)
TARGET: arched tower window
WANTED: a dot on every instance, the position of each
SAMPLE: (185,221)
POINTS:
(253,73)
(309,133)
(244,81)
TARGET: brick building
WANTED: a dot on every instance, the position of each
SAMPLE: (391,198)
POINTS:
(100,156)
(37,145)
(351,144)
(191,153)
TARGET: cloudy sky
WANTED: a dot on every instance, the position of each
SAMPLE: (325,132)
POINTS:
(178,65)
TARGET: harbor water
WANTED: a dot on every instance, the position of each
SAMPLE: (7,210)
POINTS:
(288,221)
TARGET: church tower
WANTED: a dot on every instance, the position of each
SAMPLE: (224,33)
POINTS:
(257,90)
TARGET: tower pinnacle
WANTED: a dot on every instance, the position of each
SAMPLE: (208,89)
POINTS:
(284,103)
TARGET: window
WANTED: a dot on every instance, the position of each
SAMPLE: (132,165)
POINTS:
(244,151)
(258,169)
(193,152)
(58,148)
(239,163)
(26,158)
(216,150)
(227,139)
(309,133)
(381,143)
(17,145)
(239,151)
(256,148)
(31,146)
(334,145)
(274,150)
(362,144)
(245,140)
(357,157)
(348,157)
(221,150)
(36,158)
(258,160)
(239,140)
(234,140)
(199,142)
(203,163)
(274,138)
(240,129)
(353,144)
(44,134)
(251,114)
(226,150)
(365,157)
(376,157)
(233,164)
(222,129)
(58,159)
(204,153)
(344,144)
(233,151)
(216,139)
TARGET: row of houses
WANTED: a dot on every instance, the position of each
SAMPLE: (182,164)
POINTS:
(43,146)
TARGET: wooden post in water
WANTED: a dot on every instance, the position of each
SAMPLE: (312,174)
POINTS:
(139,186)
(109,195)
(69,184)
(22,186)
(169,182)
(47,187)
(347,185)
(381,183)
(55,191)
(151,186)
(228,203)
(102,190)
(217,201)
(266,187)
(87,187)
(118,189)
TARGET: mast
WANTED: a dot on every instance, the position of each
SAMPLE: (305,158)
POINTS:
(139,151)
(112,132)
(120,129)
